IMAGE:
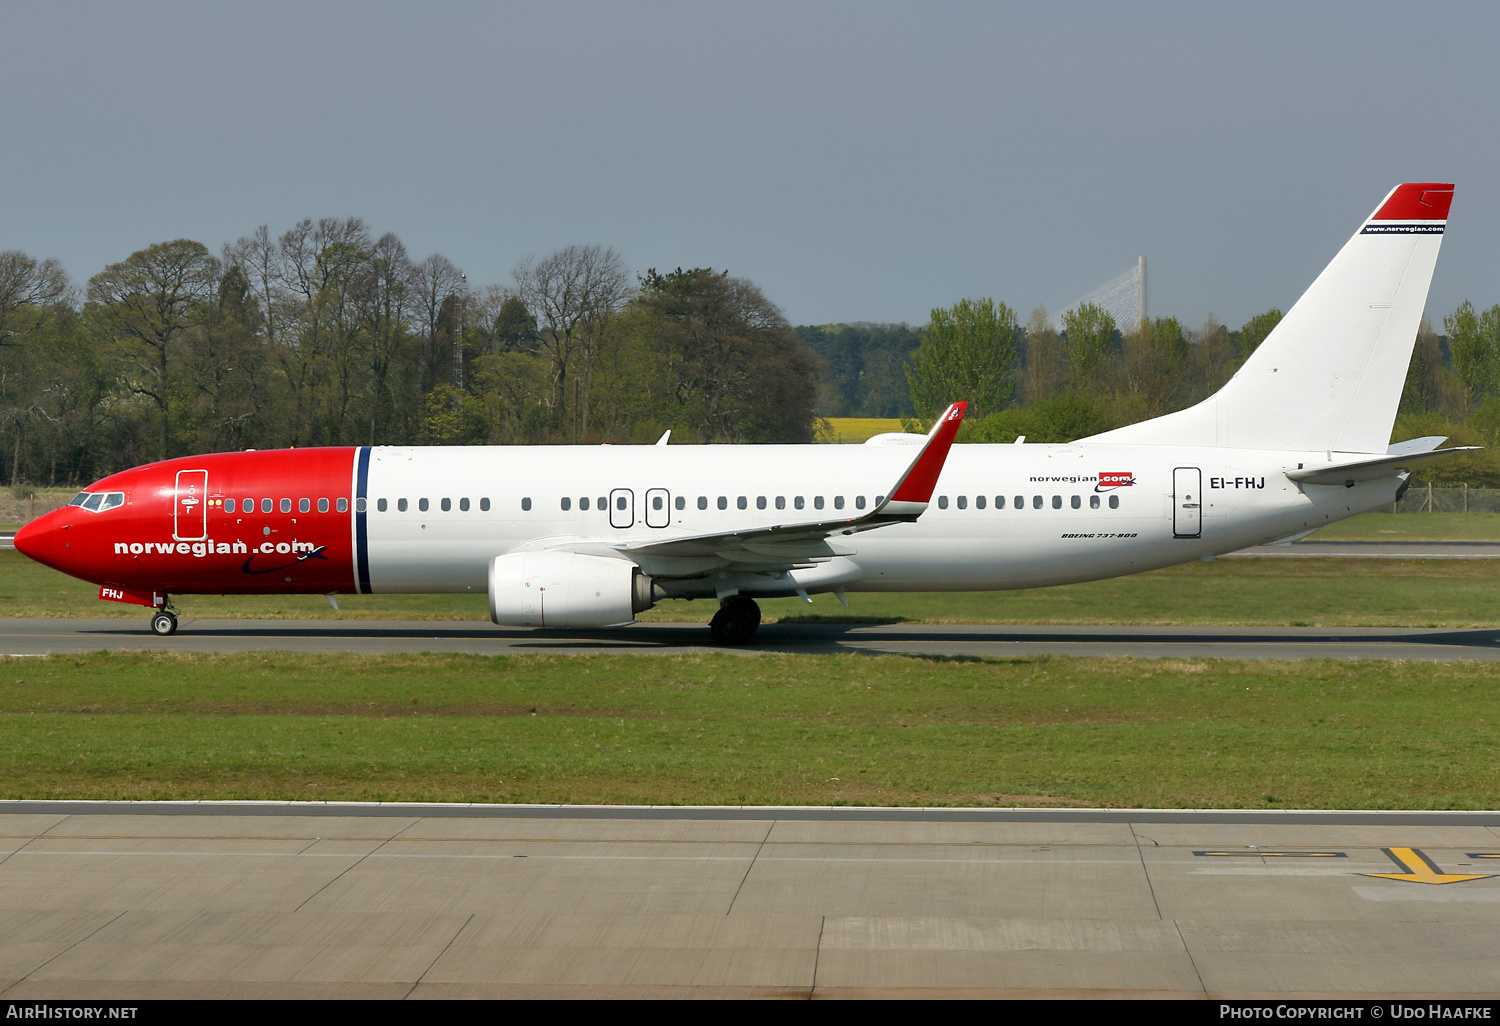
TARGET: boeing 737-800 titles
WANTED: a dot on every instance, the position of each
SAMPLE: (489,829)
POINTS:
(588,536)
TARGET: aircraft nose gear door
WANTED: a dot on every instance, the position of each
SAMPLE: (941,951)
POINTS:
(1187,502)
(658,508)
(190,512)
(622,508)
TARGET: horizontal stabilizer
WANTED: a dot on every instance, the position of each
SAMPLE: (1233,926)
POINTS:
(1369,470)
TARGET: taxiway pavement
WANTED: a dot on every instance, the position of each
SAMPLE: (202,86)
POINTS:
(126,901)
(42,636)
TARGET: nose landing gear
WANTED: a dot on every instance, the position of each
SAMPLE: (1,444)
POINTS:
(164,621)
(738,618)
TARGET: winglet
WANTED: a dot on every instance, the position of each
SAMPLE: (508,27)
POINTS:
(913,491)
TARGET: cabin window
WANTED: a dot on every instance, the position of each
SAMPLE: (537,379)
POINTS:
(247,506)
(723,502)
(446,504)
(741,503)
(838,502)
(1057,502)
(963,502)
(380,504)
(422,505)
(760,502)
(286,505)
(942,502)
(798,502)
(526,505)
(266,505)
(1093,502)
(781,502)
(463,505)
(656,502)
(322,505)
(1114,502)
(359,504)
(879,499)
(1021,502)
(1075,502)
(400,505)
(304,505)
(583,503)
(603,503)
(681,502)
(1036,502)
(484,504)
(859,502)
(999,502)
(703,502)
(979,502)
(817,502)
(343,505)
(567,503)
(228,505)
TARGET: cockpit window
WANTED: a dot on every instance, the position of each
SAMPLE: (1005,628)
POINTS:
(98,502)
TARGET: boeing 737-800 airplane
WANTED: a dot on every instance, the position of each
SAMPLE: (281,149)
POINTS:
(589,536)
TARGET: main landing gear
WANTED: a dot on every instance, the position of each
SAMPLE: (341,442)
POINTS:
(164,622)
(738,618)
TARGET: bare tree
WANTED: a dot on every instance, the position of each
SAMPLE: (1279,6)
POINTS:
(145,302)
(27,289)
(434,282)
(573,294)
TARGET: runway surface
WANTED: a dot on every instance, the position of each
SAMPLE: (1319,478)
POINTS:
(198,900)
(41,636)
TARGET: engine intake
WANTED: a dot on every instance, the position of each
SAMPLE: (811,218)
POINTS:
(566,589)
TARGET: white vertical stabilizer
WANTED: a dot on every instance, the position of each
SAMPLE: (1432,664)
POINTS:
(1330,375)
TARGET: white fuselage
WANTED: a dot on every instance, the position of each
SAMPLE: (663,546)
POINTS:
(1181,503)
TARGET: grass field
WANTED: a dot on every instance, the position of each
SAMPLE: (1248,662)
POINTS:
(1311,592)
(717,729)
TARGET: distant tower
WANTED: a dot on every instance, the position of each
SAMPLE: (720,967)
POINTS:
(1140,271)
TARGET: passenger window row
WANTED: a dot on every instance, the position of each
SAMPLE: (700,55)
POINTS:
(270,505)
(1037,502)
(446,505)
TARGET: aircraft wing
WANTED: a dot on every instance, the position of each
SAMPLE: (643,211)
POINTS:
(785,546)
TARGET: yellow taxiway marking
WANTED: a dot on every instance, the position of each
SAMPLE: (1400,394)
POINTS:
(1421,869)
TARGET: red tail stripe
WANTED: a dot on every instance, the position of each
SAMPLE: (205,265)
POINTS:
(1417,201)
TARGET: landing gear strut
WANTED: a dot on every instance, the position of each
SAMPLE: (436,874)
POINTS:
(164,621)
(737,619)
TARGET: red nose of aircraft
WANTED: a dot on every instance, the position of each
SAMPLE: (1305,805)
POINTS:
(40,539)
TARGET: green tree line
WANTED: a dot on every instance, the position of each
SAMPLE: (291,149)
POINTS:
(329,335)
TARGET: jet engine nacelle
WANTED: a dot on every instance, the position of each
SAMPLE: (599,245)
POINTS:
(566,589)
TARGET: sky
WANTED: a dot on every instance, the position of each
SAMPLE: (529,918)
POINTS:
(862,161)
